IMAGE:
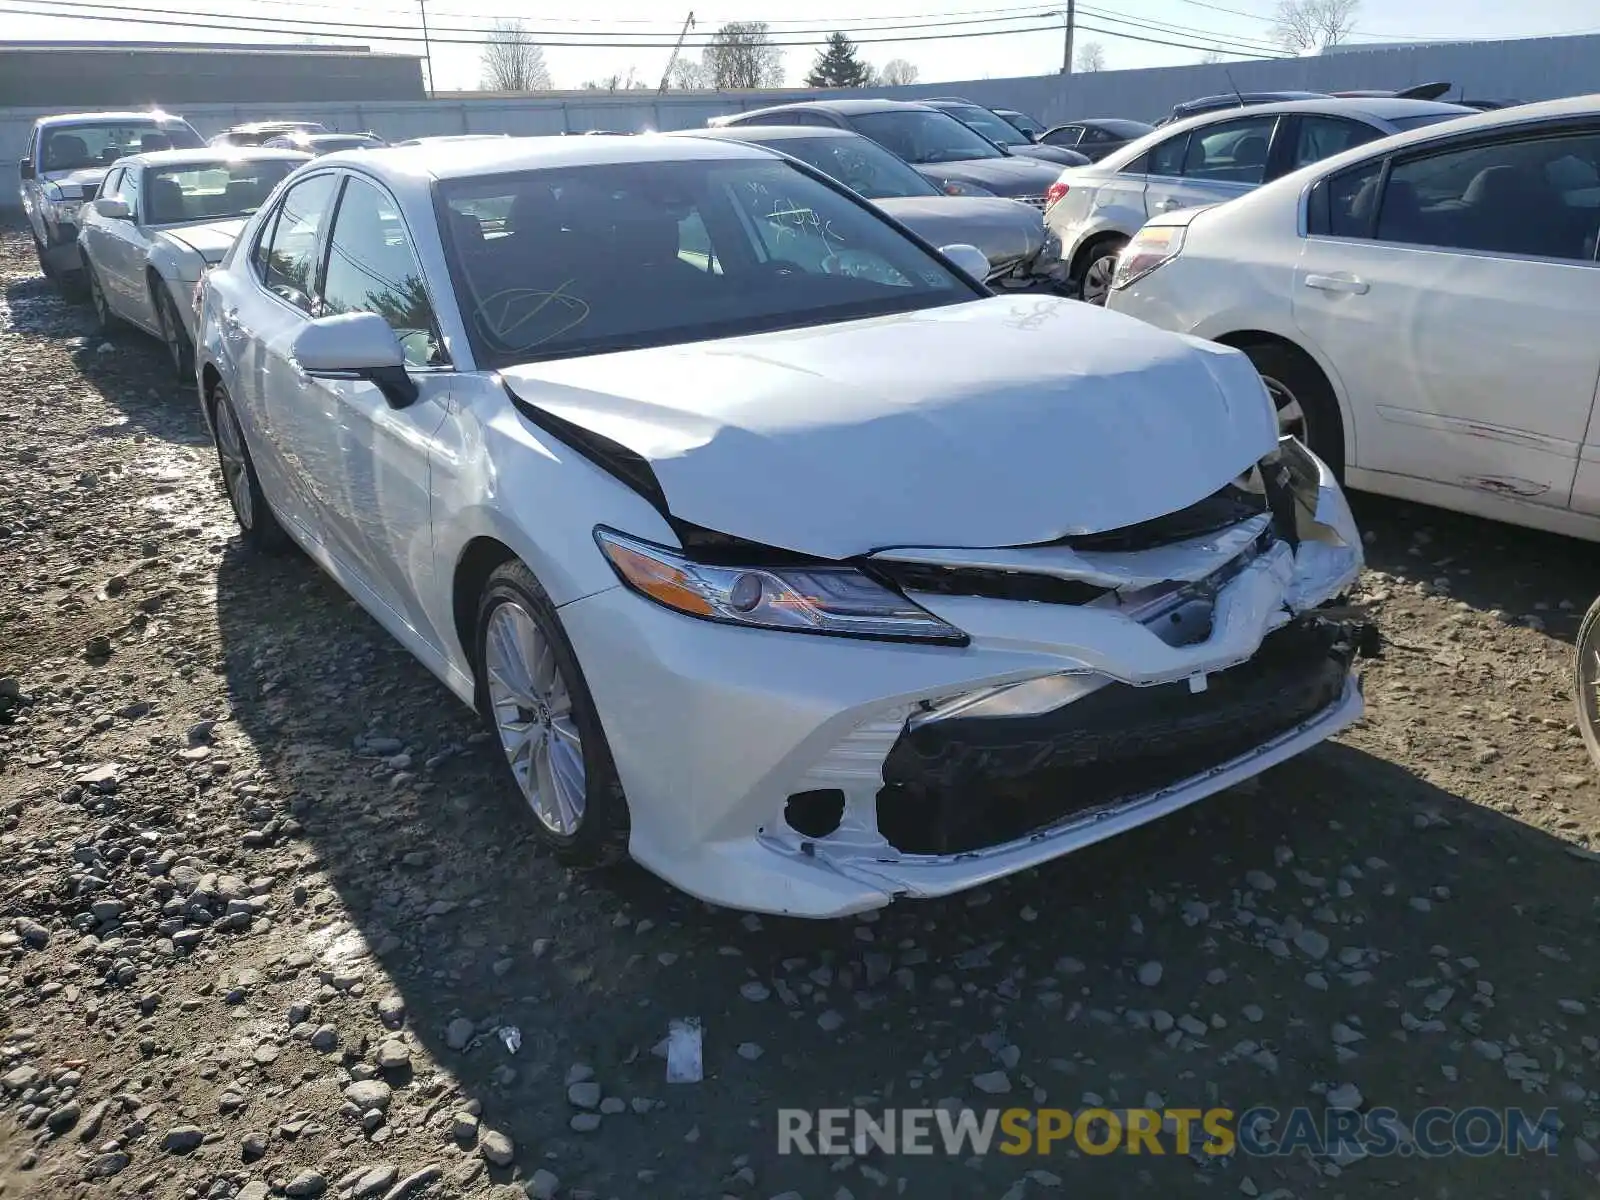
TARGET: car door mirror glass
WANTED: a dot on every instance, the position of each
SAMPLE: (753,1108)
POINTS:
(357,345)
(113,208)
(969,258)
(25,168)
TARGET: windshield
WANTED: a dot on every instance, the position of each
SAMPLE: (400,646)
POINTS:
(210,191)
(923,136)
(985,122)
(586,260)
(1404,123)
(101,143)
(862,165)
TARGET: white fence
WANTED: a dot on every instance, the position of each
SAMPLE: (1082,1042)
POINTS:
(1529,69)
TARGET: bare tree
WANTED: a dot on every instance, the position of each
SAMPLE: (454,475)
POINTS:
(898,72)
(687,75)
(1091,57)
(1302,26)
(513,61)
(617,82)
(1210,58)
(742,57)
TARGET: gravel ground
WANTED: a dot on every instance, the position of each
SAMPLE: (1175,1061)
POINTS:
(270,913)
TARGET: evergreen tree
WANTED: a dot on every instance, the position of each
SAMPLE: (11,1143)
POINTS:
(838,67)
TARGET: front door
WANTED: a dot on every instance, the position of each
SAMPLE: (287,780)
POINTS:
(1219,162)
(1454,293)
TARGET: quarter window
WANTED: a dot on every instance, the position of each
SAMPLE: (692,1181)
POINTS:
(372,267)
(291,252)
(1317,138)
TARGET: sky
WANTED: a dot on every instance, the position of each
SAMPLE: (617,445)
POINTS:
(1017,40)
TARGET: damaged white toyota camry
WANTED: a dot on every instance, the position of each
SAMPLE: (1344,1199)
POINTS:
(774,550)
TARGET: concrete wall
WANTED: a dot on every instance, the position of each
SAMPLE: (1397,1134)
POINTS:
(1531,69)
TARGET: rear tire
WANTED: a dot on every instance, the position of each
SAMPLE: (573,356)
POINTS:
(536,703)
(1586,680)
(257,523)
(1304,400)
(1096,267)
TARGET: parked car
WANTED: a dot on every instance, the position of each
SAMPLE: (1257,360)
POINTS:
(1031,126)
(1010,234)
(1209,104)
(957,158)
(1586,680)
(324,143)
(67,157)
(159,222)
(254,133)
(1097,137)
(433,139)
(753,567)
(1420,91)
(1002,133)
(1421,308)
(1203,160)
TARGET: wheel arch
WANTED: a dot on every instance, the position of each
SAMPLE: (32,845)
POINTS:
(1240,339)
(478,560)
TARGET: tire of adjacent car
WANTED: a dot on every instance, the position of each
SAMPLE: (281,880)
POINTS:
(601,837)
(179,348)
(106,321)
(1586,680)
(258,525)
(1289,372)
(1094,259)
(45,268)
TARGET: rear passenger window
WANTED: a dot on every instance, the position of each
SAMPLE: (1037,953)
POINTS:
(1532,195)
(1317,138)
(290,246)
(373,268)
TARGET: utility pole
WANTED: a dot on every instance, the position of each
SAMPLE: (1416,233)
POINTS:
(666,76)
(1071,18)
(427,46)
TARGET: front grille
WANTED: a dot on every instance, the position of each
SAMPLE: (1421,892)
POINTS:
(966,783)
(984,581)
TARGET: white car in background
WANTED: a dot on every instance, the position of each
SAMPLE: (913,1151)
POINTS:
(1094,210)
(1423,311)
(159,222)
(771,548)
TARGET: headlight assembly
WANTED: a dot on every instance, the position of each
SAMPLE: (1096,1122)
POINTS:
(1151,246)
(821,599)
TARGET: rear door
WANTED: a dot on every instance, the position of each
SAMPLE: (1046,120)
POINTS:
(1220,161)
(1453,289)
(1311,137)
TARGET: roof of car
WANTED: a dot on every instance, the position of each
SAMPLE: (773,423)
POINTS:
(211,154)
(495,156)
(770,133)
(1384,108)
(85,117)
(842,106)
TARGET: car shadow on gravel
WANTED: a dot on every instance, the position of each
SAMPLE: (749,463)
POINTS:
(417,844)
(1489,565)
(128,367)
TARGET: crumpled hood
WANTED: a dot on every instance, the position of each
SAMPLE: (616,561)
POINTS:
(1002,176)
(87,179)
(999,422)
(1005,230)
(209,240)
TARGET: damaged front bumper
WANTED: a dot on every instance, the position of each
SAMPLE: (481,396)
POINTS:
(1109,680)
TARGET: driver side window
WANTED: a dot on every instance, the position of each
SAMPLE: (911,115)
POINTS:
(288,247)
(372,267)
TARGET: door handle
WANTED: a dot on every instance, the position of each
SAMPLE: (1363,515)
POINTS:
(1348,284)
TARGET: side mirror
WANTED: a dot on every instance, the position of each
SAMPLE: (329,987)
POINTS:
(356,346)
(969,258)
(113,208)
(25,168)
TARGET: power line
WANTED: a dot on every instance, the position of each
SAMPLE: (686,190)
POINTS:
(1184,30)
(373,33)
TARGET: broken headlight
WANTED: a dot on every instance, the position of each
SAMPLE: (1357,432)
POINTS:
(800,598)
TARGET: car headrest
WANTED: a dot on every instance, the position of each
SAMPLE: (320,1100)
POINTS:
(66,150)
(163,202)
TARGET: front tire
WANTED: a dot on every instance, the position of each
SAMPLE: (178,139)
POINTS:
(180,350)
(535,701)
(106,321)
(1304,400)
(257,523)
(1586,680)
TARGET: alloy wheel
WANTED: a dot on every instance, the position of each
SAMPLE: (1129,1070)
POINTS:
(532,709)
(1097,279)
(97,297)
(235,466)
(1291,417)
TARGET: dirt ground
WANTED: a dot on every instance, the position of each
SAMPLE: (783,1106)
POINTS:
(269,914)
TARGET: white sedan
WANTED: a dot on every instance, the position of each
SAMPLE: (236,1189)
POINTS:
(773,550)
(1423,309)
(160,220)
